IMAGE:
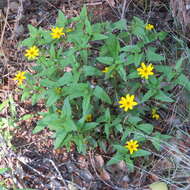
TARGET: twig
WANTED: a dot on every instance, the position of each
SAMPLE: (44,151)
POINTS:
(57,170)
(18,18)
(5,24)
(124,8)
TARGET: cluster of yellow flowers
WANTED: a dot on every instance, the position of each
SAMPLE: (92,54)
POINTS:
(56,33)
(155,115)
(89,118)
(149,27)
(105,70)
(127,102)
(33,52)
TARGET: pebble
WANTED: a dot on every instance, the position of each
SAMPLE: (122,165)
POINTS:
(13,6)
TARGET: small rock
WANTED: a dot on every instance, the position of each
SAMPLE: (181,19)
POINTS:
(13,6)
(86,175)
(19,31)
(99,161)
(158,186)
(105,175)
(125,182)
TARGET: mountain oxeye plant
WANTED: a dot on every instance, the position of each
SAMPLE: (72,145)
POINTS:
(102,84)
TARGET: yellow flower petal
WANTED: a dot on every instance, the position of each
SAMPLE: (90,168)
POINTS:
(32,52)
(132,146)
(145,70)
(127,102)
(57,32)
(19,77)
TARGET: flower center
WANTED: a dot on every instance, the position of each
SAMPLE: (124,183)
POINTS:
(32,52)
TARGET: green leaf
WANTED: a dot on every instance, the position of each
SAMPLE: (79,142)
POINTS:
(88,26)
(126,133)
(157,139)
(52,98)
(91,71)
(67,108)
(131,49)
(33,31)
(122,72)
(4,104)
(81,146)
(154,57)
(133,75)
(48,83)
(97,36)
(83,13)
(69,125)
(139,136)
(52,52)
(28,42)
(137,27)
(138,59)
(3,170)
(179,63)
(162,35)
(163,97)
(130,163)
(107,130)
(105,60)
(183,81)
(134,119)
(121,25)
(89,126)
(148,95)
(76,90)
(67,78)
(167,70)
(140,153)
(26,117)
(107,115)
(38,128)
(86,104)
(101,94)
(120,148)
(61,19)
(147,128)
(113,46)
(115,159)
(60,136)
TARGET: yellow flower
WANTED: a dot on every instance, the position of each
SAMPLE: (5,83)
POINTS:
(32,52)
(149,27)
(132,146)
(58,91)
(105,70)
(89,118)
(127,102)
(57,32)
(58,111)
(69,30)
(19,77)
(155,115)
(145,70)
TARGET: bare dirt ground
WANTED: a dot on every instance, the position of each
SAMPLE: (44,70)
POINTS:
(32,160)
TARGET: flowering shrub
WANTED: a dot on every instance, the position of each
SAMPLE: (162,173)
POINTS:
(100,82)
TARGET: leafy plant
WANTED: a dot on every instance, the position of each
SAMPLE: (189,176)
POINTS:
(86,68)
